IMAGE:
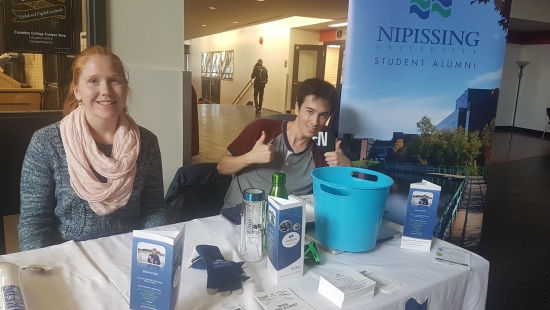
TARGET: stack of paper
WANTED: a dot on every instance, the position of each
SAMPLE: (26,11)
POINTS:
(346,287)
(383,283)
(281,299)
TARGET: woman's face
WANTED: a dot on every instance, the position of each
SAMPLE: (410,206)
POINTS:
(101,89)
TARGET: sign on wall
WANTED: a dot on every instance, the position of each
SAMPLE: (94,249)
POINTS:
(40,26)
(406,59)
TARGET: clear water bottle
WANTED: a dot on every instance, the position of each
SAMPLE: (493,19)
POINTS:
(278,189)
(251,248)
(11,296)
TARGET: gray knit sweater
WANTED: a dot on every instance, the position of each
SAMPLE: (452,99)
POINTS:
(51,211)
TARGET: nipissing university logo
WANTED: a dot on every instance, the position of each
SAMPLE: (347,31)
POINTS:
(422,8)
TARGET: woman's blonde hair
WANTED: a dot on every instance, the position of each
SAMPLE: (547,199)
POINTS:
(71,103)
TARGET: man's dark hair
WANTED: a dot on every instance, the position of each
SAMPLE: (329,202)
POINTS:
(320,90)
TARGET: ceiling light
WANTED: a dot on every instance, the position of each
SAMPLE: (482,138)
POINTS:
(235,22)
(260,0)
(338,25)
(204,25)
(211,7)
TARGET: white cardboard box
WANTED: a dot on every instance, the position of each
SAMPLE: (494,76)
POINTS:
(285,238)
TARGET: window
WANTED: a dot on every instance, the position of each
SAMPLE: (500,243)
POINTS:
(217,64)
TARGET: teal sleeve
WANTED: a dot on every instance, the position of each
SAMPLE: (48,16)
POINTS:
(37,192)
(152,196)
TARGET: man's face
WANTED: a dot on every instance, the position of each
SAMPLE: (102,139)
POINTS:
(312,116)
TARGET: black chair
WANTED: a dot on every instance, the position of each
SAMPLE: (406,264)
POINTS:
(548,121)
(196,191)
(16,130)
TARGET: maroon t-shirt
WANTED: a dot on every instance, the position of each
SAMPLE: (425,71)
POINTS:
(296,166)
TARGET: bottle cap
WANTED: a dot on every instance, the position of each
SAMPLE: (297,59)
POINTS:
(278,178)
(253,194)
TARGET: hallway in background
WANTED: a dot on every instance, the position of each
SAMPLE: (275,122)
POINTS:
(219,125)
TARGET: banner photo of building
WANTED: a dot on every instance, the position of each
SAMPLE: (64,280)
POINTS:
(417,66)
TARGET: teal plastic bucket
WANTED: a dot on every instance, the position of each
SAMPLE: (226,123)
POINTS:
(348,209)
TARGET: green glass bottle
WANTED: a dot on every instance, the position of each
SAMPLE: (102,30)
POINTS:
(278,189)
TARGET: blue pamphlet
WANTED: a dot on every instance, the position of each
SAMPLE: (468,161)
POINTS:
(421,216)
(156,269)
(285,238)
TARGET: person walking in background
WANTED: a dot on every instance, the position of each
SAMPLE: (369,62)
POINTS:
(259,74)
(96,173)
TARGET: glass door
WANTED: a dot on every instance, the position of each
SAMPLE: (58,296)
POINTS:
(309,62)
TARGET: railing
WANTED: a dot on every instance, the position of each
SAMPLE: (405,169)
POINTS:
(454,170)
(425,169)
(406,167)
(241,94)
(450,210)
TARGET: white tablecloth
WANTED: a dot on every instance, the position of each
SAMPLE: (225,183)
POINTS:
(74,282)
(95,274)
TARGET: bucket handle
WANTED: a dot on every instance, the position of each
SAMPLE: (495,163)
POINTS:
(340,192)
(365,172)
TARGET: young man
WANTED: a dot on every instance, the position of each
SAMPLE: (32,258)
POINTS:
(266,146)
(259,74)
(154,258)
(424,200)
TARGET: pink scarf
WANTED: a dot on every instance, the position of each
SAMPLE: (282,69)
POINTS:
(83,156)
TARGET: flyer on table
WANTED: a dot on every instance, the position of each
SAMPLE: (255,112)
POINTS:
(280,300)
(156,269)
(285,238)
(421,216)
(454,257)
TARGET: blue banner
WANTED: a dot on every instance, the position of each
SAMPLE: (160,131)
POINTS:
(406,59)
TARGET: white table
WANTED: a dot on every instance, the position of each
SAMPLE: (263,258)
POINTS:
(95,274)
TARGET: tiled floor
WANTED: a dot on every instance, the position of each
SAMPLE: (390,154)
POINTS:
(510,146)
(219,125)
(515,235)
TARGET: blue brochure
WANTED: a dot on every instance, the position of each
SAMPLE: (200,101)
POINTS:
(421,216)
(156,269)
(285,238)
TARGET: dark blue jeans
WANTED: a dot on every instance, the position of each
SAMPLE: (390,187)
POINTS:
(258,90)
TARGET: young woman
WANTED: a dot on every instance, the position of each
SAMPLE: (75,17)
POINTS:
(96,172)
